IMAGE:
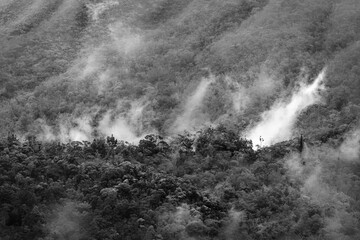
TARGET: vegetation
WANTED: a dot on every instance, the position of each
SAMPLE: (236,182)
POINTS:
(211,185)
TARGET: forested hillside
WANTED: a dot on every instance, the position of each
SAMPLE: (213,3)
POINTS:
(66,62)
(166,119)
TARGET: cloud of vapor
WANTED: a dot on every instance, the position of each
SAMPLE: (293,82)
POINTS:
(313,186)
(103,80)
(68,129)
(107,54)
(127,122)
(309,164)
(136,116)
(185,223)
(124,123)
(317,191)
(232,227)
(350,148)
(347,151)
(92,63)
(264,85)
(83,130)
(101,62)
(190,117)
(99,8)
(312,170)
(103,58)
(118,127)
(277,124)
(126,40)
(239,94)
(67,221)
(31,10)
(307,169)
(122,43)
(45,132)
(243,96)
(80,130)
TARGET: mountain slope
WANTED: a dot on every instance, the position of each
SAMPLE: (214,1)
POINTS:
(64,61)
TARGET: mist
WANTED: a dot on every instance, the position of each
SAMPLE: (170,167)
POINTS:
(238,94)
(99,65)
(231,230)
(118,127)
(324,183)
(126,126)
(67,220)
(350,148)
(82,131)
(277,124)
(68,129)
(97,9)
(243,96)
(191,116)
(184,223)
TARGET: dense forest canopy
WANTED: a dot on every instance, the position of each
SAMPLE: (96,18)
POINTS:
(165,119)
(208,185)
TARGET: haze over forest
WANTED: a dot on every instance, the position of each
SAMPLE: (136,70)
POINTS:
(227,85)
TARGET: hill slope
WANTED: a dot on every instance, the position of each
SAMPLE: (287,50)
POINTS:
(66,61)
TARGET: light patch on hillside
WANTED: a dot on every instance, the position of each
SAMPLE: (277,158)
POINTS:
(32,9)
(4,3)
(125,39)
(99,8)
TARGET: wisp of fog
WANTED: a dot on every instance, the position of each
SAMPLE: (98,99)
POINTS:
(277,124)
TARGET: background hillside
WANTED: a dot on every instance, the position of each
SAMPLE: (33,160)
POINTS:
(65,62)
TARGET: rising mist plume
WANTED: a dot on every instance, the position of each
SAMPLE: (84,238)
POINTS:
(277,124)
(243,96)
(190,117)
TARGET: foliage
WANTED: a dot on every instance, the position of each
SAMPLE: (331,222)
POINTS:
(211,185)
